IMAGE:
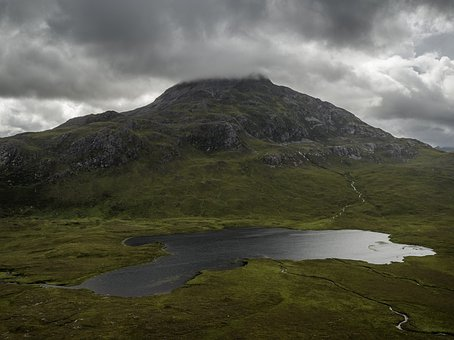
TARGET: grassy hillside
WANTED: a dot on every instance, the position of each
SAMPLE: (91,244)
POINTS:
(239,184)
(335,299)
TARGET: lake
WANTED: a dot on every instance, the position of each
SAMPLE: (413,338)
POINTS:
(190,253)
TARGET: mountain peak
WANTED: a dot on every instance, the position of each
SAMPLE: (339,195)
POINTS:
(212,85)
(257,106)
(213,81)
(198,92)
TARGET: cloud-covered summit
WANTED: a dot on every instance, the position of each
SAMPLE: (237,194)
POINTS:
(390,62)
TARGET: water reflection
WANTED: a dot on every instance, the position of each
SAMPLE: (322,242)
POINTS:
(227,248)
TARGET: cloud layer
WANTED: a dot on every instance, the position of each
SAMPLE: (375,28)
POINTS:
(389,62)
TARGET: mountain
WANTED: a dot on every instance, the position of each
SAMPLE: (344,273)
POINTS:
(210,115)
(237,119)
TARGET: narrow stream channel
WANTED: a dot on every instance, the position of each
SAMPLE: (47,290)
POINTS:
(405,320)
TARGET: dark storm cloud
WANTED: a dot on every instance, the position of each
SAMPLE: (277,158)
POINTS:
(53,40)
(167,37)
(24,13)
(106,53)
(170,39)
(160,38)
(126,24)
(342,23)
(134,22)
(144,24)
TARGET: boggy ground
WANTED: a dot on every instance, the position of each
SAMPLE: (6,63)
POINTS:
(337,299)
(265,299)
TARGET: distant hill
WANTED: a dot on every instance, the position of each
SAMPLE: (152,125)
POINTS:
(445,148)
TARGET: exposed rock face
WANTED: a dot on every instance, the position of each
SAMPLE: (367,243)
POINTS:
(104,148)
(214,136)
(405,150)
(260,108)
(10,154)
(286,159)
(353,152)
(18,163)
(210,115)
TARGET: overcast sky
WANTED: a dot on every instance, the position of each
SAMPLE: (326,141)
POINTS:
(389,62)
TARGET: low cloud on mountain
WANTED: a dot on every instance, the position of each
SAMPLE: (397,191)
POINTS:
(389,62)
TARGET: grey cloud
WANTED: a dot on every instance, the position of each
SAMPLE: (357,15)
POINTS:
(23,12)
(422,93)
(341,23)
(424,106)
(169,38)
(172,39)
(41,68)
(155,37)
(120,25)
(105,51)
(429,132)
(442,44)
(21,122)
(21,115)
(29,115)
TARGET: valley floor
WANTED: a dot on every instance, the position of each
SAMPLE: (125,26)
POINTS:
(265,299)
(413,202)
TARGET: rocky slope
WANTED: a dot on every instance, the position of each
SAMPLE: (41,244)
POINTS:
(242,115)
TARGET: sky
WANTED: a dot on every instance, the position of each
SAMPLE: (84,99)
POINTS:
(390,62)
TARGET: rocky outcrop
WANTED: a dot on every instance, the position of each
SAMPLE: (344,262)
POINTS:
(400,151)
(11,154)
(274,128)
(294,159)
(318,155)
(22,164)
(214,136)
(102,149)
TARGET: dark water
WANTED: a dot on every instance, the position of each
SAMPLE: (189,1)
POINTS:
(194,252)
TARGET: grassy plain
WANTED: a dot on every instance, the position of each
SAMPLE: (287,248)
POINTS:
(81,236)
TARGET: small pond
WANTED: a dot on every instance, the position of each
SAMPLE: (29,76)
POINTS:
(191,253)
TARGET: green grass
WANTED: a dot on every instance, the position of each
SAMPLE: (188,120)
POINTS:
(204,187)
(412,201)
